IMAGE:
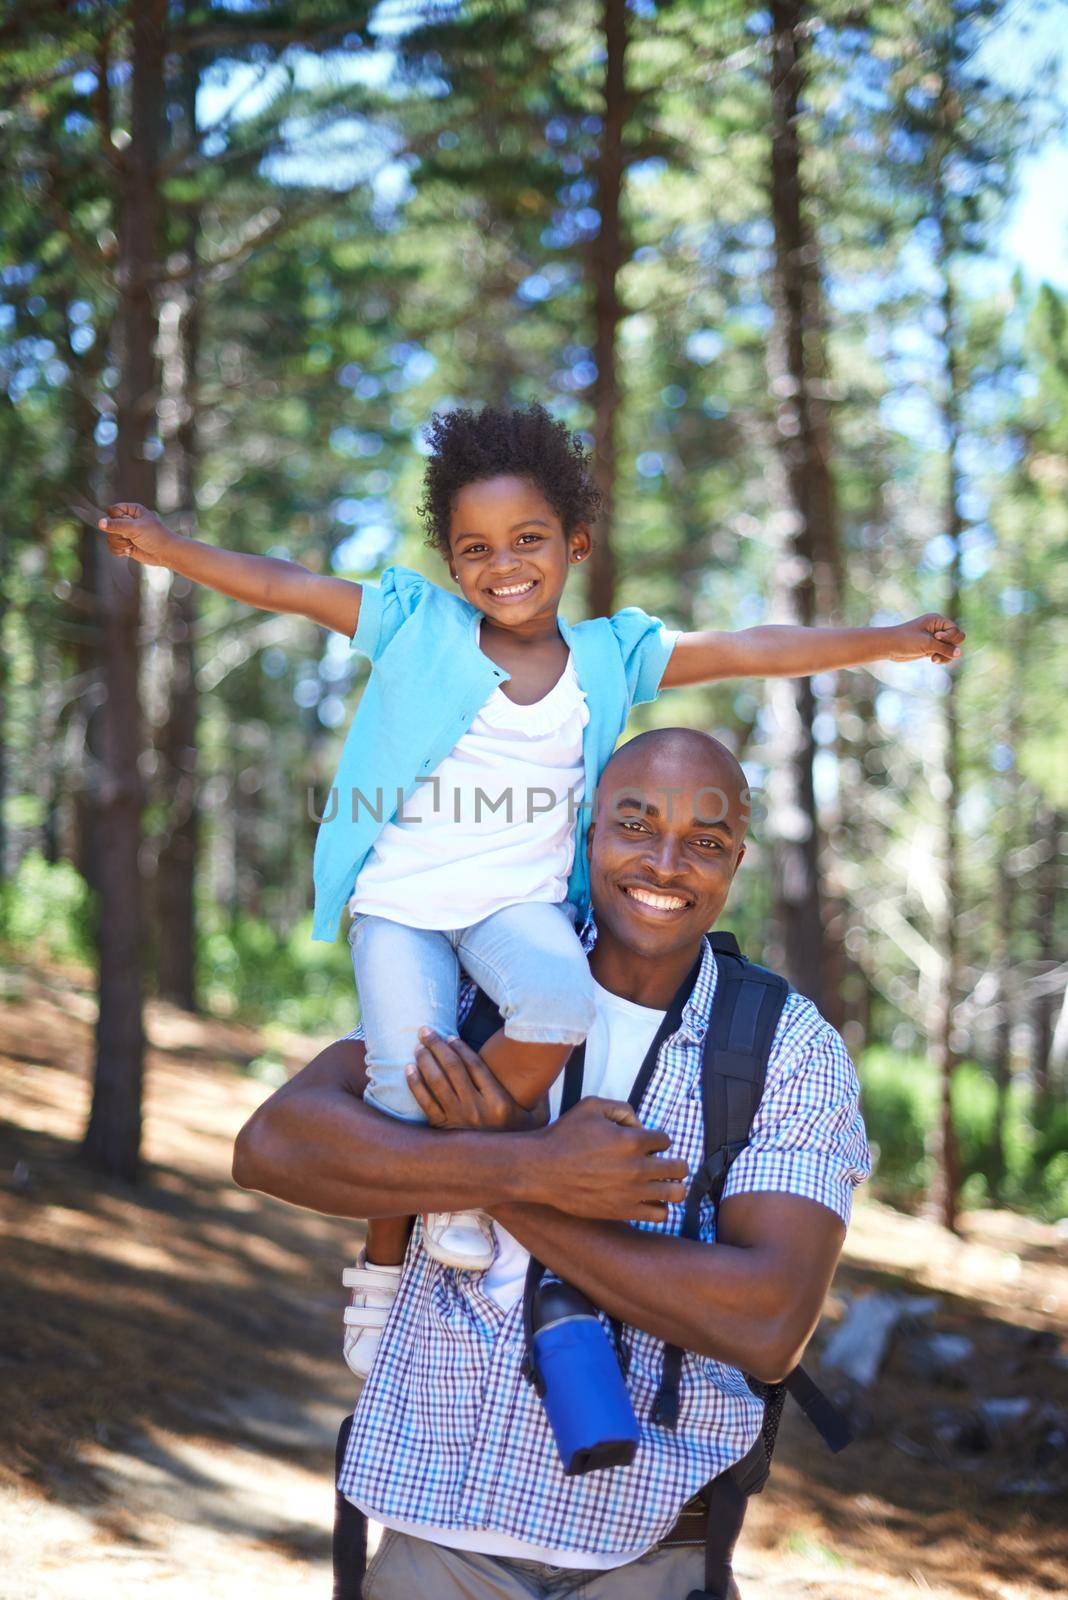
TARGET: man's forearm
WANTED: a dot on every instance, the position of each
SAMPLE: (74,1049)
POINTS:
(714,1299)
(314,1143)
(329,1152)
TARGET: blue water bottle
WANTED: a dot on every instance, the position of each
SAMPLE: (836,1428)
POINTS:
(576,1372)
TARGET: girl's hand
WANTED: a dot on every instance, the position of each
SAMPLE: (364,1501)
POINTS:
(454,1088)
(932,636)
(597,1161)
(136,532)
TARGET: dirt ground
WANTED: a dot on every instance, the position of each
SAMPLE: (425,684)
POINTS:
(172,1388)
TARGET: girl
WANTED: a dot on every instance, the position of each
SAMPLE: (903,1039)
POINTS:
(455,831)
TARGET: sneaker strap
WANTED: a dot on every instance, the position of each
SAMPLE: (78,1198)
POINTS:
(366,1316)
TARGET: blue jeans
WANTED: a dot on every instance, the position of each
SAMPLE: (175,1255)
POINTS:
(527,958)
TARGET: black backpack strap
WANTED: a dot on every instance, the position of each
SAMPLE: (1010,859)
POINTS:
(726,1498)
(748,1004)
(349,1544)
(829,1420)
(741,1030)
(570,1095)
(481,1022)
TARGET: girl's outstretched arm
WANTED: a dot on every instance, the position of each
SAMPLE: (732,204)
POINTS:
(793,652)
(262,581)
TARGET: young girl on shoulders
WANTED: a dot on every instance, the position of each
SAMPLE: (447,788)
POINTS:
(456,829)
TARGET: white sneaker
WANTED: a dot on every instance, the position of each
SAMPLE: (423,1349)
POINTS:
(374,1290)
(461,1239)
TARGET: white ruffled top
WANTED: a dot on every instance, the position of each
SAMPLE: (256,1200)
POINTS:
(494,825)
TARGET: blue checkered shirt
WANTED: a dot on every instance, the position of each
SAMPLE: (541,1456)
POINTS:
(449,1434)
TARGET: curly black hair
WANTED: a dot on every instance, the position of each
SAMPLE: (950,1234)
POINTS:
(525,442)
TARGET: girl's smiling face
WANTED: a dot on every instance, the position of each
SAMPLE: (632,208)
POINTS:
(509,553)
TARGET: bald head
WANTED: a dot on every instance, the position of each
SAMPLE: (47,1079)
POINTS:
(678,762)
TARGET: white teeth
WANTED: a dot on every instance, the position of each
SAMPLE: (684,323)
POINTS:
(516,588)
(662,902)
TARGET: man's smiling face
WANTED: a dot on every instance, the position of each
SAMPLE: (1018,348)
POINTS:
(666,840)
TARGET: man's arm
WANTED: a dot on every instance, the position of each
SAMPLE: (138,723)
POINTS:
(794,652)
(263,581)
(315,1144)
(751,1299)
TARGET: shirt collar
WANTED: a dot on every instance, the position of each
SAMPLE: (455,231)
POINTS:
(698,1008)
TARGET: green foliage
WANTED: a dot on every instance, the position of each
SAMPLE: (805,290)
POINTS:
(1048,1187)
(900,1096)
(246,969)
(46,911)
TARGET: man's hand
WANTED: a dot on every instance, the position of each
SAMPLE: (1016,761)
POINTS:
(136,532)
(597,1161)
(600,1161)
(933,636)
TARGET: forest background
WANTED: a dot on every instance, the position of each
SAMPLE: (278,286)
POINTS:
(797,273)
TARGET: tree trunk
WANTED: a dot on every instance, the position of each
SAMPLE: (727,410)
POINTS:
(176,866)
(1002,1054)
(84,609)
(1044,925)
(606,259)
(843,982)
(807,508)
(5,567)
(1007,886)
(113,1137)
(946,1178)
(828,568)
(85,849)
(47,677)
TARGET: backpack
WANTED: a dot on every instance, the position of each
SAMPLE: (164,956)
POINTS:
(749,1003)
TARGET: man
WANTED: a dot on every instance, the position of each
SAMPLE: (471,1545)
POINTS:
(450,1449)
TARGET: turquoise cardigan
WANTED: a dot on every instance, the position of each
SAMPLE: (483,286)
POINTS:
(429,680)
